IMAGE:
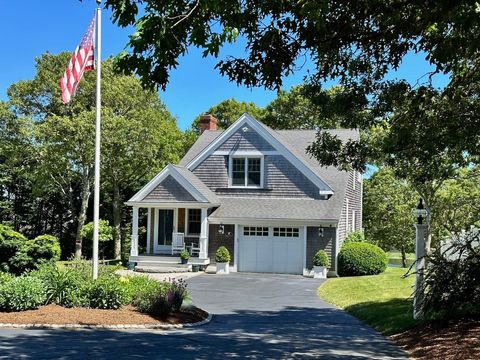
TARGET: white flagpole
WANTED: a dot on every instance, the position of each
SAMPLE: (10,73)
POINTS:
(96,201)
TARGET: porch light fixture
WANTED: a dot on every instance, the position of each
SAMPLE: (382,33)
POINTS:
(321,232)
(420,212)
(221,229)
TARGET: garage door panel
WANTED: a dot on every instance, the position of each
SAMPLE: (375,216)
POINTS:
(272,254)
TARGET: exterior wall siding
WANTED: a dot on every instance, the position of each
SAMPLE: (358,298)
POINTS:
(215,240)
(315,242)
(354,195)
(281,178)
(169,190)
(246,140)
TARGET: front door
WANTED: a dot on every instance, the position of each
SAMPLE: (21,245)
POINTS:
(165,230)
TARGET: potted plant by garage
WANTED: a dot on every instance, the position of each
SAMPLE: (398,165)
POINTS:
(184,256)
(321,263)
(222,258)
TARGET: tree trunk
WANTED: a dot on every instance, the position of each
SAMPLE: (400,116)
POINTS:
(404,256)
(82,215)
(117,219)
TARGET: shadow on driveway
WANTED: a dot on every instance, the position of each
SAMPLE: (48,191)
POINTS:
(291,333)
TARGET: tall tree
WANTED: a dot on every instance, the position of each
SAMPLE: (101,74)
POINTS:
(387,212)
(229,110)
(355,43)
(138,136)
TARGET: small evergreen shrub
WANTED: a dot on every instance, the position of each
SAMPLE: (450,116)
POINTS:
(222,255)
(10,244)
(22,293)
(354,237)
(321,259)
(359,258)
(33,253)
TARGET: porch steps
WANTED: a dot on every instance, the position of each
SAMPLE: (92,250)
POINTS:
(164,264)
(162,269)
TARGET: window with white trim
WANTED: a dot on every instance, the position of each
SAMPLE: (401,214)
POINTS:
(246,172)
(255,231)
(286,232)
(193,221)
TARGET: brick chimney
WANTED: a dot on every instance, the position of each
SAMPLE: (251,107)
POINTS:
(208,122)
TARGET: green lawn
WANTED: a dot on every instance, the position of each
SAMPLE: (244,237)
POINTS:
(382,301)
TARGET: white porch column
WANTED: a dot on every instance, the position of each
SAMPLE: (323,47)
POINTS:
(134,242)
(203,235)
(149,229)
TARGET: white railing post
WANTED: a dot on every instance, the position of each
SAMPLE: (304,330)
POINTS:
(134,242)
(203,241)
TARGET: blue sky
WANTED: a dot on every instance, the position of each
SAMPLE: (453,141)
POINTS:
(31,27)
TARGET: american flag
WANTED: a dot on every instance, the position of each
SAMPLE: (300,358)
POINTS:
(82,60)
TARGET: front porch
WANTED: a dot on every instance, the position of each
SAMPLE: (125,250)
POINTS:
(169,230)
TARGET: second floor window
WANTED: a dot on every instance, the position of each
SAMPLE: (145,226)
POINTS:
(246,172)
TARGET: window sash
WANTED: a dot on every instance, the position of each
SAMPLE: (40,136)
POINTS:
(246,171)
(193,221)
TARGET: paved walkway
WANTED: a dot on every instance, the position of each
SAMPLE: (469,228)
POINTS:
(256,317)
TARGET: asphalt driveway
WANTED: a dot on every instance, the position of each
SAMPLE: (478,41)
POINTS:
(255,317)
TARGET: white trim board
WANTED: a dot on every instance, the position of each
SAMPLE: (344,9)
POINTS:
(247,119)
(162,175)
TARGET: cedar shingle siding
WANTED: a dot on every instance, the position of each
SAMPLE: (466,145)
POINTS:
(315,242)
(215,240)
(353,194)
(169,190)
(246,140)
(281,178)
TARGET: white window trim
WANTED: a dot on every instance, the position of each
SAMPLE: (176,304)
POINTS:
(187,233)
(246,157)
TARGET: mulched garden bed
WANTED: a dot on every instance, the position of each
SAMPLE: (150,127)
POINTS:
(455,339)
(127,315)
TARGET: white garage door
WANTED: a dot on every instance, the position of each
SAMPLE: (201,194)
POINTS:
(270,249)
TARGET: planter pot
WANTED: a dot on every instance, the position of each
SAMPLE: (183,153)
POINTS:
(131,265)
(195,268)
(319,272)
(184,261)
(223,268)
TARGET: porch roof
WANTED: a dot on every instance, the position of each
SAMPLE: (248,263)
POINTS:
(174,186)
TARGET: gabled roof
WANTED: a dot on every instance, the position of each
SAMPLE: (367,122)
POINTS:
(188,180)
(296,141)
(198,153)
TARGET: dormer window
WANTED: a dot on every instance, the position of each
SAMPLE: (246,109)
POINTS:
(246,171)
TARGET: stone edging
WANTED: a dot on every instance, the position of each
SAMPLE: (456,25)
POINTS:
(110,327)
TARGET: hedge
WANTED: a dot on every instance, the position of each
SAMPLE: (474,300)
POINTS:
(358,258)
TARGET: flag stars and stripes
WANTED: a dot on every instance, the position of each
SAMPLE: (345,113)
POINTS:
(82,60)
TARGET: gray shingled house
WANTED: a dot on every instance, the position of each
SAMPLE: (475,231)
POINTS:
(254,190)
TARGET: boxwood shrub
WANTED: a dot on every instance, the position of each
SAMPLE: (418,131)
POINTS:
(22,293)
(222,255)
(359,258)
(321,259)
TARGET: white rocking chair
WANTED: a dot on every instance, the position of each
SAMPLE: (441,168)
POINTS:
(178,243)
